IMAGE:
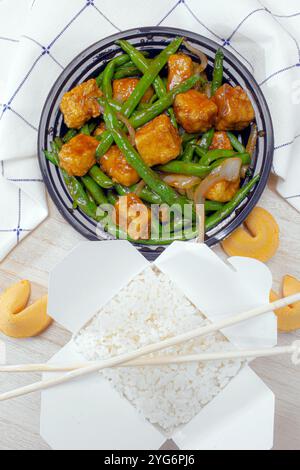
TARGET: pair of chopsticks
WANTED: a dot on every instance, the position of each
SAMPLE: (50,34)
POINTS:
(293,349)
(135,358)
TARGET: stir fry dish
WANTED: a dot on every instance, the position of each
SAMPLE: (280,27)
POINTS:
(157,131)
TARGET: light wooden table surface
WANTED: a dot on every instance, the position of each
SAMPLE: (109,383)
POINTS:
(43,249)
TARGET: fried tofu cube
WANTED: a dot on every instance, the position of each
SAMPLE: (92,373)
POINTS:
(133,216)
(223,191)
(181,68)
(194,111)
(80,104)
(220,141)
(235,110)
(115,165)
(123,88)
(158,142)
(78,155)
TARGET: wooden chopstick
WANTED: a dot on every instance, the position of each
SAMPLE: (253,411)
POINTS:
(115,361)
(162,360)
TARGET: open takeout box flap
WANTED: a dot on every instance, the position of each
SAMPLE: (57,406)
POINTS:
(219,289)
(89,276)
(88,414)
(244,411)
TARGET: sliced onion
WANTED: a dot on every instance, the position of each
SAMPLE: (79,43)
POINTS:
(140,186)
(198,53)
(251,145)
(229,170)
(130,128)
(181,181)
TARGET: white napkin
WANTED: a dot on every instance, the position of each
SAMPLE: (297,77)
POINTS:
(39,38)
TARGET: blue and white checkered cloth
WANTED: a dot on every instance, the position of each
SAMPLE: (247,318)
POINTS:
(39,38)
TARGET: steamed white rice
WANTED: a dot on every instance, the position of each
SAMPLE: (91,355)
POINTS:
(149,309)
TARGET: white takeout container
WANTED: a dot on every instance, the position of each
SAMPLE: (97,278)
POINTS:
(88,414)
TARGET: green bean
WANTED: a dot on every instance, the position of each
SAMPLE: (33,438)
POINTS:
(94,189)
(98,137)
(183,168)
(207,139)
(112,197)
(147,105)
(69,135)
(213,155)
(236,144)
(126,71)
(188,153)
(218,72)
(138,119)
(176,225)
(188,137)
(121,190)
(79,196)
(213,206)
(173,117)
(107,79)
(200,152)
(116,105)
(58,142)
(99,79)
(118,62)
(100,178)
(51,157)
(109,73)
(147,195)
(93,126)
(85,130)
(245,157)
(128,64)
(105,144)
(188,235)
(89,196)
(151,178)
(228,208)
(153,99)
